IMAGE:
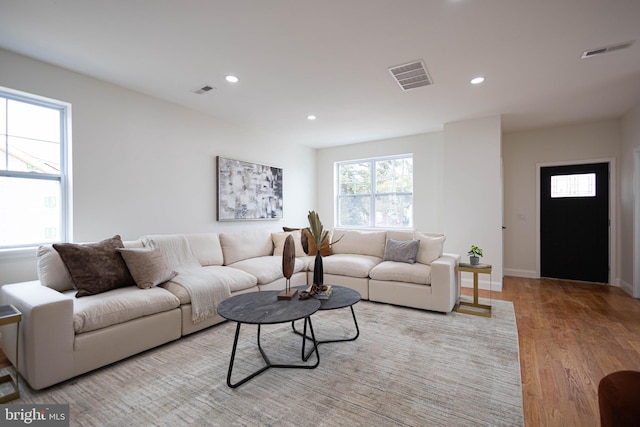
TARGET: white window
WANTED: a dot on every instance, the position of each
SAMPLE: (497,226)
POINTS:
(578,185)
(375,192)
(34,201)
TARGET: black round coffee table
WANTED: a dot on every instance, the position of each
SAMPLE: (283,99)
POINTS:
(341,297)
(263,308)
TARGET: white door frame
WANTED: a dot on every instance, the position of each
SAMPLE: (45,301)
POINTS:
(613,273)
(635,291)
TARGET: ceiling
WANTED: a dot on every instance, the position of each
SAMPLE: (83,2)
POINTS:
(330,58)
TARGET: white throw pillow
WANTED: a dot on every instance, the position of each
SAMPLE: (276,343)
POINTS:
(279,238)
(431,247)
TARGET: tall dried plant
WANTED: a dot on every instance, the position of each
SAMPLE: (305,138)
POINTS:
(318,233)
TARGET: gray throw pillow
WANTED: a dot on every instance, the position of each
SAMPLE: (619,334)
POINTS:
(401,251)
(148,266)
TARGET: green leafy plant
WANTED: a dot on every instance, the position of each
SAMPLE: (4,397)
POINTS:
(475,251)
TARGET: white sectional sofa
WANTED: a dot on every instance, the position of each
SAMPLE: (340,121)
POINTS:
(178,280)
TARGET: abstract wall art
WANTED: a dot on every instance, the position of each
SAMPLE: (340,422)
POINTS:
(248,191)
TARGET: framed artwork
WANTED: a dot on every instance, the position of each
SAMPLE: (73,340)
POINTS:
(248,191)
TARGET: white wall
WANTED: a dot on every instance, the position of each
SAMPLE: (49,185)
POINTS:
(142,165)
(522,151)
(630,203)
(427,175)
(473,192)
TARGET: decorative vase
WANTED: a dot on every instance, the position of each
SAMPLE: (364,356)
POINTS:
(475,260)
(318,272)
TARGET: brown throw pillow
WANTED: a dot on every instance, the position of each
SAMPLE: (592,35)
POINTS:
(95,267)
(325,249)
(148,266)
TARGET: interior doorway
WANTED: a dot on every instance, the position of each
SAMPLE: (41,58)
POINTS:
(574,222)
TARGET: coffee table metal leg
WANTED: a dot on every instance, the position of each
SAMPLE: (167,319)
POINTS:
(305,357)
(266,358)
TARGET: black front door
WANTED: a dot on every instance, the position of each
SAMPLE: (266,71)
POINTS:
(574,222)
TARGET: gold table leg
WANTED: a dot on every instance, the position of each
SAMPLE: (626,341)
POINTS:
(480,309)
(8,379)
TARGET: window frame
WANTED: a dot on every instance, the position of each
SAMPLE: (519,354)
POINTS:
(574,186)
(63,177)
(373,193)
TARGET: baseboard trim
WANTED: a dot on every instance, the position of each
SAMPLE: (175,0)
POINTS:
(529,274)
(627,287)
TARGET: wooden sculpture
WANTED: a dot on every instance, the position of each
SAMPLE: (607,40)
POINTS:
(288,265)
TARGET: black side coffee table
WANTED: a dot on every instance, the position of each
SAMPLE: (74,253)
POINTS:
(263,308)
(341,297)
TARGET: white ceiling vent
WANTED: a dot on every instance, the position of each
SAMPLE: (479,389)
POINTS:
(606,49)
(203,89)
(411,75)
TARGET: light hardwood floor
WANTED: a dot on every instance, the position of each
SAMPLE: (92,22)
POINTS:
(571,335)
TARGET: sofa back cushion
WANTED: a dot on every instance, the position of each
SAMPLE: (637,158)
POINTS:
(206,247)
(52,272)
(402,235)
(359,242)
(431,247)
(241,245)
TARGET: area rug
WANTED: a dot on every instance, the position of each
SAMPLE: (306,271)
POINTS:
(408,368)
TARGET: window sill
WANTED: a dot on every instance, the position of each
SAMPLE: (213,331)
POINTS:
(18,253)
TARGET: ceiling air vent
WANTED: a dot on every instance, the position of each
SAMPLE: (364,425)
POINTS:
(606,49)
(411,75)
(203,89)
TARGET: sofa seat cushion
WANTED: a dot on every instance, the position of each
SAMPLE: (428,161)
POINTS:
(348,264)
(266,268)
(118,306)
(402,272)
(236,279)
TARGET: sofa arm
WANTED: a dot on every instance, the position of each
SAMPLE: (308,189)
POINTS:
(46,333)
(444,282)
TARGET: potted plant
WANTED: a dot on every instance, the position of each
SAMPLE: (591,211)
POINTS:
(474,255)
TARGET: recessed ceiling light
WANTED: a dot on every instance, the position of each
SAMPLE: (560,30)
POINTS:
(477,80)
(231,79)
(311,117)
